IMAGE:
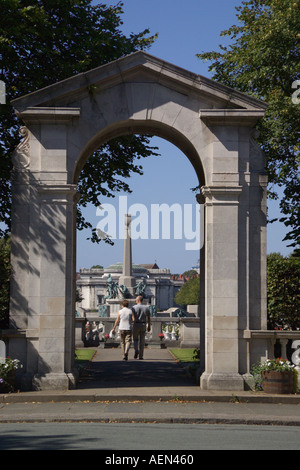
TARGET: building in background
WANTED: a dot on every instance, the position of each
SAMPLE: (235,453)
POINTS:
(160,286)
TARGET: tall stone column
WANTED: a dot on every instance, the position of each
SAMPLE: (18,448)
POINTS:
(20,234)
(201,201)
(54,232)
(221,289)
(127,279)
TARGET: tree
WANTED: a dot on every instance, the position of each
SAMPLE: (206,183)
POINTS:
(189,293)
(263,61)
(190,273)
(283,290)
(45,41)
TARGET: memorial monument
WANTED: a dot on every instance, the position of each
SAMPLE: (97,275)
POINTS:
(125,288)
(214,126)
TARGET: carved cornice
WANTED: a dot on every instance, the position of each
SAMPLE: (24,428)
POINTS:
(58,193)
(234,117)
(221,194)
(57,115)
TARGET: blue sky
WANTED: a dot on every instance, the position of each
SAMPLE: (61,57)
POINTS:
(185,28)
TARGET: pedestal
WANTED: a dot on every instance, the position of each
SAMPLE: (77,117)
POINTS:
(219,381)
(53,381)
(115,306)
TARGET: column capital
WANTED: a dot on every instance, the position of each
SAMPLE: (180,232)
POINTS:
(221,194)
(58,193)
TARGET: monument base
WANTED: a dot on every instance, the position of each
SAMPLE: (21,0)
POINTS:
(115,306)
(221,381)
(53,381)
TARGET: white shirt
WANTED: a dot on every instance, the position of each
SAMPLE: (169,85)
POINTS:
(125,319)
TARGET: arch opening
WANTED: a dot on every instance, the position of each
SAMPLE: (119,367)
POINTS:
(152,128)
(140,256)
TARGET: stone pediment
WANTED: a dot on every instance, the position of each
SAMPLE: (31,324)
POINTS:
(218,101)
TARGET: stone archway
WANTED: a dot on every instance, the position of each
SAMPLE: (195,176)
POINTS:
(213,126)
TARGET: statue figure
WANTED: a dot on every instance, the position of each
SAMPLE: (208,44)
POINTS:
(180,313)
(103,310)
(124,291)
(153,311)
(112,288)
(140,288)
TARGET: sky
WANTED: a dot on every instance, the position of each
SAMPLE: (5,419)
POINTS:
(185,28)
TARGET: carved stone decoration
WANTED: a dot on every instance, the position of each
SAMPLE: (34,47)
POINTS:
(21,154)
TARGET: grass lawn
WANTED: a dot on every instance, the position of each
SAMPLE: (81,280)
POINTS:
(83,355)
(184,355)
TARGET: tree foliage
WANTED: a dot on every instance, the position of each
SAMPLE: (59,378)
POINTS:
(263,61)
(283,289)
(189,293)
(45,41)
(190,273)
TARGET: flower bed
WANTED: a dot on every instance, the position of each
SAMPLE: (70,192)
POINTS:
(7,374)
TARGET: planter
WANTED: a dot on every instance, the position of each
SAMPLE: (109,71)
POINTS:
(278,382)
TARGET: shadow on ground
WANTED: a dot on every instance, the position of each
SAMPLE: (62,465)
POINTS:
(108,370)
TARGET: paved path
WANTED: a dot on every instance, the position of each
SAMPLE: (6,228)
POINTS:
(157,369)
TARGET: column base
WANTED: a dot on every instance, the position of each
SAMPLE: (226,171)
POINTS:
(52,381)
(221,381)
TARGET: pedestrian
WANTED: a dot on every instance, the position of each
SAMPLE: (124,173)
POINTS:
(141,319)
(124,318)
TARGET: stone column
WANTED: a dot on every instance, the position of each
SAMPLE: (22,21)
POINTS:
(20,234)
(127,279)
(54,232)
(201,201)
(221,285)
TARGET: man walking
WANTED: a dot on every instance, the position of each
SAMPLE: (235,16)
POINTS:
(141,318)
(124,318)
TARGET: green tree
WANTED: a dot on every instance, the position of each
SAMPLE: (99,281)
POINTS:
(45,41)
(190,273)
(5,270)
(263,60)
(283,290)
(189,293)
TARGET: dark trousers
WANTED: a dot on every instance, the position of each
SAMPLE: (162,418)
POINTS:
(139,333)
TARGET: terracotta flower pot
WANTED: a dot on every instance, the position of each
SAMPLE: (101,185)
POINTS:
(278,382)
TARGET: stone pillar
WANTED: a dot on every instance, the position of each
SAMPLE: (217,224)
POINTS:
(127,279)
(221,285)
(20,234)
(201,201)
(54,232)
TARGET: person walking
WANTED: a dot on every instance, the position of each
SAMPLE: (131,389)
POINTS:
(141,318)
(124,318)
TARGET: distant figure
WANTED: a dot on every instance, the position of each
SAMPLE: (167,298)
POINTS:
(112,288)
(125,319)
(141,318)
(140,288)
